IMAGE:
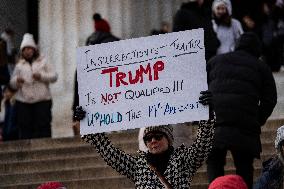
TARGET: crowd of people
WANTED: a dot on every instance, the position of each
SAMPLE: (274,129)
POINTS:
(243,46)
(243,96)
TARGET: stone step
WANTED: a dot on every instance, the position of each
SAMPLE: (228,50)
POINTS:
(268,131)
(48,143)
(6,157)
(70,173)
(268,136)
(110,183)
(116,137)
(272,124)
(117,182)
(51,164)
(27,163)
(89,179)
(81,151)
(85,160)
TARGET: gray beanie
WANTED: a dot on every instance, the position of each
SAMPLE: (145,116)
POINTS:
(280,136)
(166,129)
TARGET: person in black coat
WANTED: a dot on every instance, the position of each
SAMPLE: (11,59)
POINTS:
(194,15)
(4,71)
(244,96)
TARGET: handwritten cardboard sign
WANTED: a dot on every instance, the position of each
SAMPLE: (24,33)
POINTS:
(142,82)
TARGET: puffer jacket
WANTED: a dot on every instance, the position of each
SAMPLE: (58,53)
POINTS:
(243,87)
(181,167)
(33,91)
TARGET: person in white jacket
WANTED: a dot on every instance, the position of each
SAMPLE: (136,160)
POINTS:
(228,29)
(31,78)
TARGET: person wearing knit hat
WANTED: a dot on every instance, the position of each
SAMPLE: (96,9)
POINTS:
(31,78)
(228,29)
(102,33)
(28,41)
(228,182)
(51,185)
(166,130)
(226,3)
(162,166)
(100,23)
(273,169)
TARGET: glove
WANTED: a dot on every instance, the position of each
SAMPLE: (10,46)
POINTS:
(79,113)
(206,99)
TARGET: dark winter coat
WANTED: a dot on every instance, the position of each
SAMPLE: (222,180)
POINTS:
(182,165)
(4,77)
(191,16)
(271,176)
(99,37)
(4,71)
(244,94)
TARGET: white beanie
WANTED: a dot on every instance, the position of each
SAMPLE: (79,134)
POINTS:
(227,3)
(28,41)
(279,136)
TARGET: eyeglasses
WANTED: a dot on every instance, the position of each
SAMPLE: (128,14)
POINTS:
(148,138)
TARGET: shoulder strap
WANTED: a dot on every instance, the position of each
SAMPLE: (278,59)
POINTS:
(161,178)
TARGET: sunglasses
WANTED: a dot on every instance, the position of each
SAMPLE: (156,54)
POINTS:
(157,136)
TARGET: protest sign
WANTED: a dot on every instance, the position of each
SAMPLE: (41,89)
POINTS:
(140,82)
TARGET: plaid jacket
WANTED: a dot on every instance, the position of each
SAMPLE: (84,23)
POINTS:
(181,168)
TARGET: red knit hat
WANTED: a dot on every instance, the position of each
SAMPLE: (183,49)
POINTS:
(51,185)
(102,25)
(228,182)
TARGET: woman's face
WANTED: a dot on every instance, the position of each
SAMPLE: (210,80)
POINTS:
(156,143)
(220,10)
(248,21)
(28,53)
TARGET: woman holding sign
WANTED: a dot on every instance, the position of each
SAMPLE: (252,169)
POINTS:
(162,166)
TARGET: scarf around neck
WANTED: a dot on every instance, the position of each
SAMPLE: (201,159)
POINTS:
(160,161)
